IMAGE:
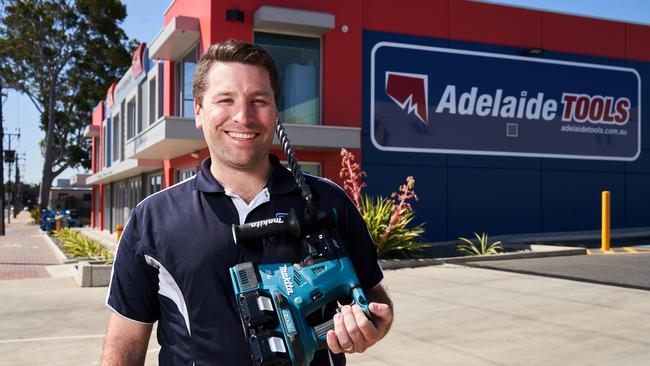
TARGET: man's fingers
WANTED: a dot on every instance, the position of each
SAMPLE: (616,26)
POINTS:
(354,332)
(357,338)
(342,335)
(333,343)
(368,329)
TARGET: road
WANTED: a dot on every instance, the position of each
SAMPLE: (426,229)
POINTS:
(621,269)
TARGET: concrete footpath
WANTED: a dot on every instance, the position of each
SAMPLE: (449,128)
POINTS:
(455,315)
(24,252)
(445,315)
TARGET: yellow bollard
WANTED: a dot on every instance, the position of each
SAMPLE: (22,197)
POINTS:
(119,230)
(605,238)
(58,223)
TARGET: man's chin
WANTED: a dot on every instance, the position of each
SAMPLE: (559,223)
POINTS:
(248,163)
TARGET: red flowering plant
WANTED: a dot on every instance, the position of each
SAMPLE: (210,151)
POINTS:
(389,219)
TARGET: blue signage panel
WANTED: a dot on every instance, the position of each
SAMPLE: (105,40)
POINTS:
(442,100)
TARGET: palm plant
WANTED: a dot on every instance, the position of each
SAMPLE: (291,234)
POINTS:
(468,247)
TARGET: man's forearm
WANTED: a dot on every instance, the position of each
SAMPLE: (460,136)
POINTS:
(122,356)
(125,343)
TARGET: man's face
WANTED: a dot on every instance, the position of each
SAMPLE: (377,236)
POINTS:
(237,115)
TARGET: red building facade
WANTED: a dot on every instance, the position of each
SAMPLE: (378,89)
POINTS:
(144,138)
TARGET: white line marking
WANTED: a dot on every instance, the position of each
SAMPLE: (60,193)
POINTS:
(63,338)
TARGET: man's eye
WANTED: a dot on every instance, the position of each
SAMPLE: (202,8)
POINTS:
(224,101)
(260,101)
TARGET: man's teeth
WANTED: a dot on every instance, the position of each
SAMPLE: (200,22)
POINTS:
(239,135)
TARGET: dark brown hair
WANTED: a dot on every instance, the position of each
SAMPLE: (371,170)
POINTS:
(233,51)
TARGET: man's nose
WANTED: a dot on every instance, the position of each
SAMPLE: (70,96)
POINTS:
(245,113)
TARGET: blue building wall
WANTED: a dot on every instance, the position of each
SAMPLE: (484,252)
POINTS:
(460,194)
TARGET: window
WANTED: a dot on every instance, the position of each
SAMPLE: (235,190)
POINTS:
(143,101)
(298,60)
(135,192)
(183,174)
(184,73)
(130,119)
(115,126)
(307,167)
(154,183)
(153,101)
(96,145)
(107,214)
(121,127)
(311,168)
(120,208)
(106,145)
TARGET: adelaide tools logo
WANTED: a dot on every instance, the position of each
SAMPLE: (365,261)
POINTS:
(410,92)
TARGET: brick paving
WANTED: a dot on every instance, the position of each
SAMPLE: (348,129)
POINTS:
(24,252)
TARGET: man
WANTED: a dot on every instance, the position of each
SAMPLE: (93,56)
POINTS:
(172,261)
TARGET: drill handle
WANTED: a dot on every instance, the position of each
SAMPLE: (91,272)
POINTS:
(266,228)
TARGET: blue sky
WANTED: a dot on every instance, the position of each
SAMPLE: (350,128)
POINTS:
(145,19)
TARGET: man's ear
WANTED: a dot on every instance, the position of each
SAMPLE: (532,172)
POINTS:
(198,114)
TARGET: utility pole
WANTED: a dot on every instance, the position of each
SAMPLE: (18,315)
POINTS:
(2,175)
(17,191)
(10,157)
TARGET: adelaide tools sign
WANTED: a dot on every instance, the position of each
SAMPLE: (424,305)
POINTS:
(442,100)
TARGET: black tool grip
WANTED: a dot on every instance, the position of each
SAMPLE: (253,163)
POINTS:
(266,228)
(321,333)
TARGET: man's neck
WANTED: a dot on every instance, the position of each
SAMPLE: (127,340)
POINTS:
(244,183)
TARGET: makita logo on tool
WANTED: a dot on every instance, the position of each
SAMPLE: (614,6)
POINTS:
(267,222)
(288,283)
(410,92)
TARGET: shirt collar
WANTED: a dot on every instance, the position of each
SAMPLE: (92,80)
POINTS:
(281,180)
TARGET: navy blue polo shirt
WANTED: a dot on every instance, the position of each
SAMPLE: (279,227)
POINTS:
(172,261)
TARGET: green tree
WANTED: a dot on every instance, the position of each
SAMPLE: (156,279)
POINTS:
(29,194)
(63,55)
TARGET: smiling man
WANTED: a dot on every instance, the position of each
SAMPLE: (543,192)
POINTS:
(172,262)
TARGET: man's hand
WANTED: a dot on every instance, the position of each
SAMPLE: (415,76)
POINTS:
(353,331)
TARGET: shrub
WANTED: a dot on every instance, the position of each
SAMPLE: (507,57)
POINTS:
(388,219)
(391,241)
(78,246)
(34,213)
(468,247)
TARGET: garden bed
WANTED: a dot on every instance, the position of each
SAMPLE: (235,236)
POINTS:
(90,261)
(92,273)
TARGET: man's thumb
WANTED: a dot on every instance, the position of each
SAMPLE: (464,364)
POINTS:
(380,310)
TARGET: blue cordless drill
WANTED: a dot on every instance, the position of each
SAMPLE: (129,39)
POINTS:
(275,300)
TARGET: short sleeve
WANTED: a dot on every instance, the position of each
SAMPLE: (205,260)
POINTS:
(359,245)
(133,287)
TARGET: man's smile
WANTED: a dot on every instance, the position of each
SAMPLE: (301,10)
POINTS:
(241,135)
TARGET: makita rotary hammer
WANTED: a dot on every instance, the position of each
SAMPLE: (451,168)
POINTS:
(275,300)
